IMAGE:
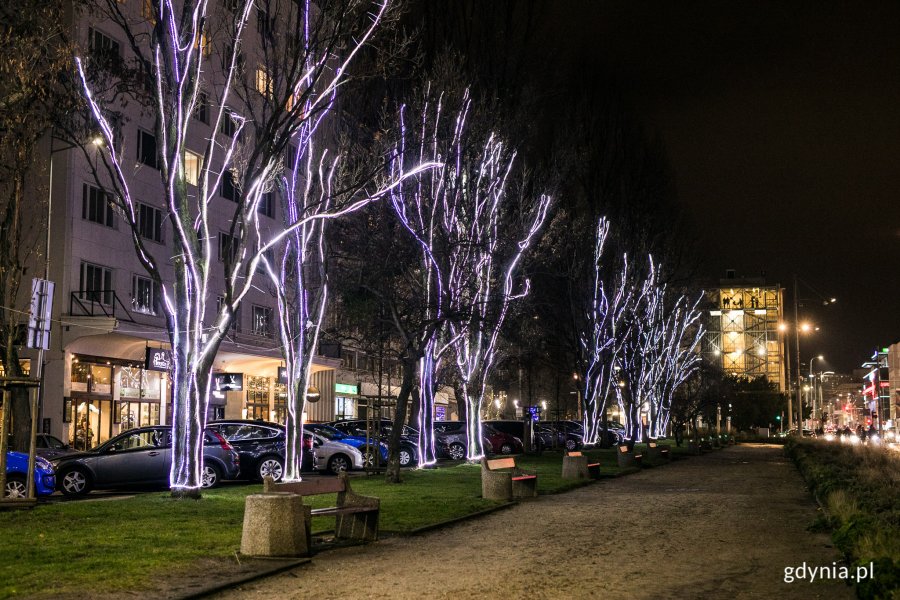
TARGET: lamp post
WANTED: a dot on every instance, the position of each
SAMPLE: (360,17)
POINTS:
(812,376)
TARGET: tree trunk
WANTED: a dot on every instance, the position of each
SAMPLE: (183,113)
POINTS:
(392,475)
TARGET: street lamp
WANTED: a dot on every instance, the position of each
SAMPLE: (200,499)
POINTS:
(812,376)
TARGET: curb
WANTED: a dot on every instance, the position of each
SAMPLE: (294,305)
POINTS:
(236,581)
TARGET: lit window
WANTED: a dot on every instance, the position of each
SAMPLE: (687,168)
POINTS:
(192,162)
(263,82)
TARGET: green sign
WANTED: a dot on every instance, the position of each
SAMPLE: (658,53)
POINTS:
(343,388)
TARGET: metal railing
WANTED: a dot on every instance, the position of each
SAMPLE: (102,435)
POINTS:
(98,303)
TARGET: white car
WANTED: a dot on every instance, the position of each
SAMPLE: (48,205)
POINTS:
(335,456)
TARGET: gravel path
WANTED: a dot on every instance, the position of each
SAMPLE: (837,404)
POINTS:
(724,525)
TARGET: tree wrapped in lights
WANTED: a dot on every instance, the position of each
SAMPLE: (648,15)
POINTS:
(461,215)
(484,279)
(641,345)
(677,360)
(600,338)
(425,208)
(306,52)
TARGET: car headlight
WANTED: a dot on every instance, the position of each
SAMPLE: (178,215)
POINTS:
(43,463)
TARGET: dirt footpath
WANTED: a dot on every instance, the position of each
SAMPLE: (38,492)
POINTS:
(723,525)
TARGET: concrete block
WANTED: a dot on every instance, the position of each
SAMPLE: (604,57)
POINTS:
(275,524)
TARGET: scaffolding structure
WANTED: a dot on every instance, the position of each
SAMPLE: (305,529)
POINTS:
(743,337)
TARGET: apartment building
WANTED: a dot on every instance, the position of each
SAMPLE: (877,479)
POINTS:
(107,369)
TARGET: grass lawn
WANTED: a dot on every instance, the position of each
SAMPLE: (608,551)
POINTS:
(107,545)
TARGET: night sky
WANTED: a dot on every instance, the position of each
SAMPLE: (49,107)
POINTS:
(782,125)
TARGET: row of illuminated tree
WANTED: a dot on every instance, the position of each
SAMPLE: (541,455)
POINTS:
(471,212)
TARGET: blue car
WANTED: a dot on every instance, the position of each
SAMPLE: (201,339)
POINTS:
(17,476)
(335,435)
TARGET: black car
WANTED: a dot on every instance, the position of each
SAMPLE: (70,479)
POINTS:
(559,434)
(261,446)
(141,456)
(451,440)
(409,437)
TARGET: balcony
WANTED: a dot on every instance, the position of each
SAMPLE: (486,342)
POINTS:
(98,303)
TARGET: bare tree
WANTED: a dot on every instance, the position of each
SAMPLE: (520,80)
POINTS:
(34,97)
(193,57)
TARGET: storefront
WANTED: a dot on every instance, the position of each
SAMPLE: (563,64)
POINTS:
(109,395)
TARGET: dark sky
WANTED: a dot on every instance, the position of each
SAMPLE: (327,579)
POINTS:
(782,125)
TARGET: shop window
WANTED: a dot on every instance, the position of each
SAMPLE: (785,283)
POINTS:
(258,397)
(280,412)
(101,379)
(344,408)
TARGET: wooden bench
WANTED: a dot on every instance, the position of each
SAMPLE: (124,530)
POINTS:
(501,479)
(356,516)
(576,466)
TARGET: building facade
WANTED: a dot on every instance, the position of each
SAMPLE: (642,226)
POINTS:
(743,335)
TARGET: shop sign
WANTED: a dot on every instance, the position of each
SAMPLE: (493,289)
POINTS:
(228,382)
(158,359)
(343,388)
(440,413)
(282,375)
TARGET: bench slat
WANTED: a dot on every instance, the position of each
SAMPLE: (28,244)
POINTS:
(334,510)
(575,454)
(520,478)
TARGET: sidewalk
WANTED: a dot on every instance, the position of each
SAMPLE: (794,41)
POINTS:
(724,525)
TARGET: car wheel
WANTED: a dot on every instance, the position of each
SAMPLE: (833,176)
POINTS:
(506,448)
(338,463)
(571,445)
(457,451)
(211,477)
(15,487)
(75,482)
(368,457)
(270,466)
(406,457)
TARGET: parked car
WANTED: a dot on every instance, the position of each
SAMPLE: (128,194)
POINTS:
(17,476)
(451,440)
(335,457)
(501,442)
(409,455)
(141,456)
(360,443)
(261,447)
(570,434)
(51,447)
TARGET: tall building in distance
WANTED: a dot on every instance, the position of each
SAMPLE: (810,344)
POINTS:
(742,321)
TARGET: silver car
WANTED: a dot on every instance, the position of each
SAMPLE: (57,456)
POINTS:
(335,456)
